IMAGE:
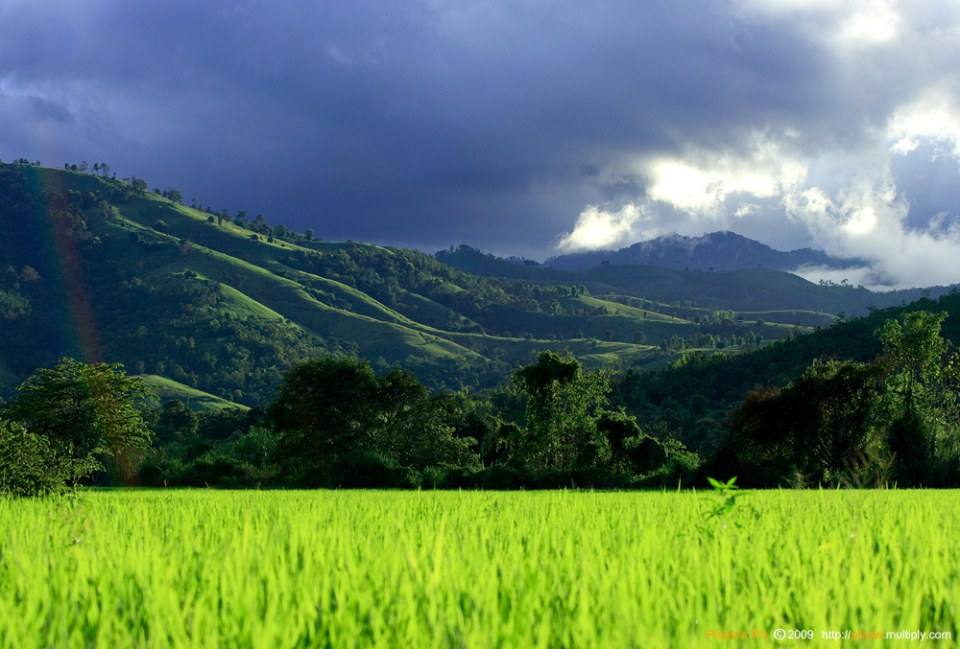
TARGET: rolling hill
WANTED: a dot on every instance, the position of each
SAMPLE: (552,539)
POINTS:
(102,269)
(169,390)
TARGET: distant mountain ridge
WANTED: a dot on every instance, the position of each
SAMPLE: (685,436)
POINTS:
(714,251)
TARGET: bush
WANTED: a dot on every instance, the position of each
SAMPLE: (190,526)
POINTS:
(31,466)
(366,469)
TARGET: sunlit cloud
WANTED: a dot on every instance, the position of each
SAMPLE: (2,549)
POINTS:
(934,117)
(848,22)
(599,228)
(704,182)
(875,23)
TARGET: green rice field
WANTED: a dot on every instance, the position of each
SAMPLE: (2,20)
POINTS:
(478,569)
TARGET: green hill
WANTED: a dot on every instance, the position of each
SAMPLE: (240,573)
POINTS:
(198,400)
(691,400)
(101,269)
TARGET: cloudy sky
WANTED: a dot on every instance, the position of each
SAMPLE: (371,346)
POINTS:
(525,127)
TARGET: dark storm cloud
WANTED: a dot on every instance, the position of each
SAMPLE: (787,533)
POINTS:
(434,122)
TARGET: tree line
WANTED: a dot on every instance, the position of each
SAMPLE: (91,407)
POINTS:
(335,422)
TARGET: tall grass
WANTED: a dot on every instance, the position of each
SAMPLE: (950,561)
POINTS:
(444,569)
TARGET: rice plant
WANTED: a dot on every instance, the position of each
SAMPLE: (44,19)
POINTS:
(476,569)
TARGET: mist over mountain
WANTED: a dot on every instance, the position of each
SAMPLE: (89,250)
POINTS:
(714,251)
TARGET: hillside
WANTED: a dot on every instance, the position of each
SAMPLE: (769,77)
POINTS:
(169,390)
(691,400)
(102,269)
(750,294)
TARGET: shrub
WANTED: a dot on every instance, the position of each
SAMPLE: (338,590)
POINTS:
(30,465)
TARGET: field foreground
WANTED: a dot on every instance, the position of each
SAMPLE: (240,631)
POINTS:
(446,569)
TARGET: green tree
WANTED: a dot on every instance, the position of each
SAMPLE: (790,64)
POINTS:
(31,465)
(85,411)
(325,408)
(419,429)
(562,406)
(630,449)
(818,430)
(920,410)
(139,185)
(175,422)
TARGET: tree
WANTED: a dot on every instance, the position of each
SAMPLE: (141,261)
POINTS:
(562,406)
(176,422)
(419,428)
(139,185)
(85,411)
(325,408)
(818,430)
(920,412)
(31,465)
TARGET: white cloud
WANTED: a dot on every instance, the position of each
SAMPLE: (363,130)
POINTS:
(600,228)
(854,210)
(843,23)
(704,181)
(861,222)
(890,89)
(867,220)
(934,118)
(874,23)
(853,276)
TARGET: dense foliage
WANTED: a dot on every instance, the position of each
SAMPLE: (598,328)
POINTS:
(336,422)
(67,421)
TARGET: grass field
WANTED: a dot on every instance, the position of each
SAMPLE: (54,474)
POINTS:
(448,569)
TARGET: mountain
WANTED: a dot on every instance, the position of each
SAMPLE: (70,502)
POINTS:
(472,260)
(714,251)
(102,269)
(749,293)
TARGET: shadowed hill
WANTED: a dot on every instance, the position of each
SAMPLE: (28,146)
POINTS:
(691,400)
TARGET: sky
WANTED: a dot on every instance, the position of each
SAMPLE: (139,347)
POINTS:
(529,127)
